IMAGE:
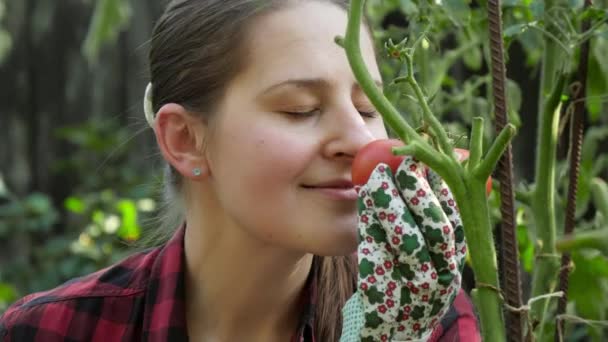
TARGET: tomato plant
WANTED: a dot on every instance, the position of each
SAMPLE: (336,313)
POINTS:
(464,155)
(380,151)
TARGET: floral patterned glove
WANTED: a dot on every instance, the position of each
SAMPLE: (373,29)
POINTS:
(411,252)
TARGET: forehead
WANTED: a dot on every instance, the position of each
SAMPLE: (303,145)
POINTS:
(298,42)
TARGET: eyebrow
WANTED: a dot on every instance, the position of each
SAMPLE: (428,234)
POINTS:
(311,83)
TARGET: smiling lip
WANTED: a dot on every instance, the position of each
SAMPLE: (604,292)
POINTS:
(337,190)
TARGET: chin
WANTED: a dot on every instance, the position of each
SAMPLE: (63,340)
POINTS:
(340,243)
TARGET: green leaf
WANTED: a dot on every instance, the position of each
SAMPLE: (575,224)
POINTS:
(3,189)
(129,229)
(472,58)
(7,293)
(588,285)
(575,4)
(514,97)
(510,3)
(597,88)
(526,248)
(74,204)
(593,13)
(38,204)
(6,44)
(458,11)
(538,9)
(514,30)
(408,7)
(588,239)
(591,143)
(599,193)
(109,18)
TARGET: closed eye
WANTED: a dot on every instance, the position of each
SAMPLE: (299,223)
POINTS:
(369,114)
(303,113)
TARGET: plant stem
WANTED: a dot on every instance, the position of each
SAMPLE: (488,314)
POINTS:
(484,169)
(599,192)
(543,197)
(352,48)
(427,114)
(468,187)
(389,113)
(476,143)
(576,142)
(475,216)
(596,239)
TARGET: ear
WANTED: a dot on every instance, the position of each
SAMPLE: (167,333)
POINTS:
(180,137)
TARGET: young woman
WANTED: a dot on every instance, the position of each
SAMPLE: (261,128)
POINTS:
(259,117)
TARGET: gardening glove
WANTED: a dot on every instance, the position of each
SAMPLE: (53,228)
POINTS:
(411,253)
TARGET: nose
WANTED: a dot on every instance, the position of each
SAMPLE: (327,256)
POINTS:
(347,133)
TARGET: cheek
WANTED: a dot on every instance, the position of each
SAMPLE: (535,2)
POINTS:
(267,157)
(257,174)
(378,130)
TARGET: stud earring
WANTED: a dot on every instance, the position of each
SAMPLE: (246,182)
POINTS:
(197,171)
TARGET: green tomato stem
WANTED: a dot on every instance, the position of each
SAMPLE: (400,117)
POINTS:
(475,216)
(380,102)
(391,116)
(427,114)
(487,165)
(595,239)
(543,203)
(599,193)
(468,187)
(475,144)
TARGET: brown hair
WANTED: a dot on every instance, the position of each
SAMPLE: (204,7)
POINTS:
(196,49)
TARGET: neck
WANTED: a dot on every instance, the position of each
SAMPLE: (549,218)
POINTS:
(238,288)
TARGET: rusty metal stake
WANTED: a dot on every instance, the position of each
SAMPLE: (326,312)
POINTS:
(511,283)
(576,140)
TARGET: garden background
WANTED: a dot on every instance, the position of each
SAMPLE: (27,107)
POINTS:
(80,172)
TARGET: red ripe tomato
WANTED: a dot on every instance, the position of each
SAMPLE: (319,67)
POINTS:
(377,151)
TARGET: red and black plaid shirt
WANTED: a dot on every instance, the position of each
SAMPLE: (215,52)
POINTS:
(142,299)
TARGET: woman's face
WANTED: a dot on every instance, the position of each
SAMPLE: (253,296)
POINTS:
(288,129)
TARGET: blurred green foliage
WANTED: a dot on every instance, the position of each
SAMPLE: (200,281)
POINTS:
(109,18)
(6,41)
(112,199)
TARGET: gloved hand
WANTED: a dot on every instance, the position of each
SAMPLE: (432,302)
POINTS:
(411,252)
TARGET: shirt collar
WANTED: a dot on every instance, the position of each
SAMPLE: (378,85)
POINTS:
(165,313)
